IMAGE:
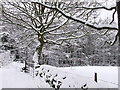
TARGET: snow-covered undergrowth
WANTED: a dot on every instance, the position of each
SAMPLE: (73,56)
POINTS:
(53,77)
(4,58)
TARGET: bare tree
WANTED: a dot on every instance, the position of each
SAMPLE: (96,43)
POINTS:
(45,20)
(33,17)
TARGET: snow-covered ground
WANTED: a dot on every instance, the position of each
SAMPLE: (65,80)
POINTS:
(68,77)
(105,73)
(13,78)
(79,76)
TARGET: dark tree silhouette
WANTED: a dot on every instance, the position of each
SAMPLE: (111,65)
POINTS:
(118,35)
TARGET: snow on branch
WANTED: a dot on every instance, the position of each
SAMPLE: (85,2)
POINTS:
(102,7)
(59,41)
(51,30)
(75,37)
(64,33)
(98,27)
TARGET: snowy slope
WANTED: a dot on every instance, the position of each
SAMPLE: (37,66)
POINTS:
(69,77)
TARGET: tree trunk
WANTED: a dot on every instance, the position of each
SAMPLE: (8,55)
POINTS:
(40,52)
(118,35)
(39,49)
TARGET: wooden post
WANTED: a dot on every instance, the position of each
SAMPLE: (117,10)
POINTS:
(33,69)
(95,78)
(26,67)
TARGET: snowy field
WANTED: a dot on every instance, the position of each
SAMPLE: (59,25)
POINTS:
(69,77)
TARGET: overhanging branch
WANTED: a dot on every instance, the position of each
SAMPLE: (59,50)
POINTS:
(98,27)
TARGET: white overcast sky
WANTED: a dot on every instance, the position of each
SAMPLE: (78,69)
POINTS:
(105,13)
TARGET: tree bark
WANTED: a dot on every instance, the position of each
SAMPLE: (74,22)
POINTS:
(118,35)
(40,48)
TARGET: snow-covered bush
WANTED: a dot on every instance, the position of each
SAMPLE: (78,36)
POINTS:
(49,76)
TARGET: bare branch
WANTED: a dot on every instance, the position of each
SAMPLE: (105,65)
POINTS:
(69,38)
(16,24)
(113,16)
(111,8)
(64,33)
(57,27)
(82,21)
